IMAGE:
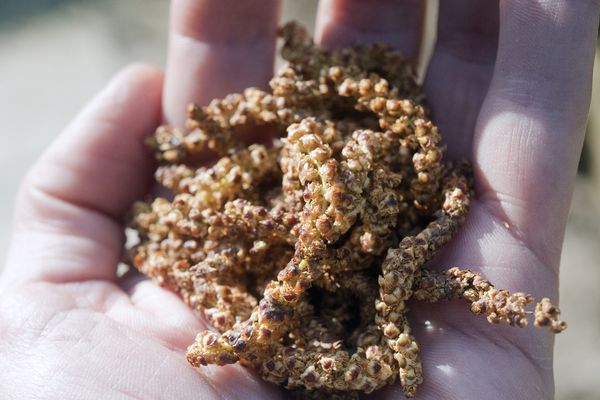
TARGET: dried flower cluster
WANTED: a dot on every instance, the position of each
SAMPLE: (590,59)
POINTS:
(302,253)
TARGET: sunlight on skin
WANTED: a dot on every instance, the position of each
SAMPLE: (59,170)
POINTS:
(68,330)
(446,369)
(527,171)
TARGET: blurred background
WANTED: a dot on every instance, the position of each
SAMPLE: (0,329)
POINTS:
(56,54)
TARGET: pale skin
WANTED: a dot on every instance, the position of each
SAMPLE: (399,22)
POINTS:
(509,85)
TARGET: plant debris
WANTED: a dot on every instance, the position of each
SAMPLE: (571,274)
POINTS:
(303,252)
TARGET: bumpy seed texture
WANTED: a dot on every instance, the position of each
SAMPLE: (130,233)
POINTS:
(303,251)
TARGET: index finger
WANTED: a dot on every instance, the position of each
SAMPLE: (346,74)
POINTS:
(216,48)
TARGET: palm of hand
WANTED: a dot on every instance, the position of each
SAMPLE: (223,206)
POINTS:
(71,330)
(92,340)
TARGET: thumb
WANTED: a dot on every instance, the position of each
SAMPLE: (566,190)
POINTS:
(67,220)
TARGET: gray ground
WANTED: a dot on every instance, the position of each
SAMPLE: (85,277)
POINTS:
(51,64)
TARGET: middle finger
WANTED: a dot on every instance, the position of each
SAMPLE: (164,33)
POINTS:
(396,22)
(461,68)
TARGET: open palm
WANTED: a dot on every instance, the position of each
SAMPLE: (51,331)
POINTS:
(509,87)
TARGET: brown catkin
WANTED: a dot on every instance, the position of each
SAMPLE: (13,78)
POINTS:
(303,251)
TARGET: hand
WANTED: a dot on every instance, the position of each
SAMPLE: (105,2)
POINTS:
(70,329)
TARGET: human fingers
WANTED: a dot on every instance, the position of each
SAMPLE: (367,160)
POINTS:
(69,207)
(531,129)
(460,69)
(215,48)
(396,22)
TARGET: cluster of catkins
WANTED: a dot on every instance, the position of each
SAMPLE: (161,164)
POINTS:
(302,252)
